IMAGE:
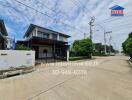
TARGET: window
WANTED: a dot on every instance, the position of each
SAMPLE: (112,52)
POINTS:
(45,51)
(61,38)
(43,35)
(46,36)
(54,37)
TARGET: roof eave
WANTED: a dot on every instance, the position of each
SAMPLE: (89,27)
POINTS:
(33,26)
(29,28)
(4,28)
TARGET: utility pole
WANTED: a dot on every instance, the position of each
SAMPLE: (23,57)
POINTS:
(84,35)
(91,33)
(105,40)
(105,43)
(104,37)
(91,24)
(110,44)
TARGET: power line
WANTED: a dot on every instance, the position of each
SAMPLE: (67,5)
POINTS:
(122,25)
(52,9)
(104,21)
(76,4)
(84,7)
(49,16)
(114,18)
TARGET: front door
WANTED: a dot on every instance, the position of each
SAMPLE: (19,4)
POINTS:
(45,52)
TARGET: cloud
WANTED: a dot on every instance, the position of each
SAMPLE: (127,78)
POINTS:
(72,12)
(11,31)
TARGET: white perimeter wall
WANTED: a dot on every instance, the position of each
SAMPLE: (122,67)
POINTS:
(16,58)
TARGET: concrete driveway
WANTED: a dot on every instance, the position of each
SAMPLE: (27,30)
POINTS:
(105,78)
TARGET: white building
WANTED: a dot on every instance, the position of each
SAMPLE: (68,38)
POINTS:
(46,43)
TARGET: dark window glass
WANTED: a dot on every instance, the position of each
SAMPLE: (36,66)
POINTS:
(43,35)
(54,37)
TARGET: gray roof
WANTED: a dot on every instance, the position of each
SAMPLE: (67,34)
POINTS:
(32,26)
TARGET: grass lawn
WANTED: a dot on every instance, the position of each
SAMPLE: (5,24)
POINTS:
(78,58)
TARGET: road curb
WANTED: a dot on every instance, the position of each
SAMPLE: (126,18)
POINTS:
(15,71)
(130,63)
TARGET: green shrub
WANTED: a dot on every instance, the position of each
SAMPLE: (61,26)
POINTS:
(78,58)
(22,47)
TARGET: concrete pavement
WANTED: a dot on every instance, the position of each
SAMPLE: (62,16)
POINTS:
(110,79)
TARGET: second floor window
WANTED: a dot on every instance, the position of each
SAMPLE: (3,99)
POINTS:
(54,37)
(61,38)
(43,35)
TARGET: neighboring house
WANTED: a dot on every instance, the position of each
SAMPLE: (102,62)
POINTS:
(46,43)
(117,10)
(3,34)
(10,43)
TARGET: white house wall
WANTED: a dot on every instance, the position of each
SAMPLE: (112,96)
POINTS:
(59,37)
(34,32)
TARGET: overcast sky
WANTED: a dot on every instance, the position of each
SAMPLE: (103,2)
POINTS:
(77,13)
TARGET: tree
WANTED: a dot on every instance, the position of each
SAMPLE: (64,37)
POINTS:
(127,45)
(112,49)
(22,47)
(83,47)
(124,46)
(98,49)
(130,35)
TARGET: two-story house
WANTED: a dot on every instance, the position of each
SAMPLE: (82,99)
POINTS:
(46,43)
(3,34)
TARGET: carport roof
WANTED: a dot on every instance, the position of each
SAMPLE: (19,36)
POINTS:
(42,41)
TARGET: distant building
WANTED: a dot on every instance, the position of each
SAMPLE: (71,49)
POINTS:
(10,43)
(46,43)
(117,11)
(3,34)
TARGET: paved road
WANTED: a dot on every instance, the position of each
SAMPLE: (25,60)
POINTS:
(109,79)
